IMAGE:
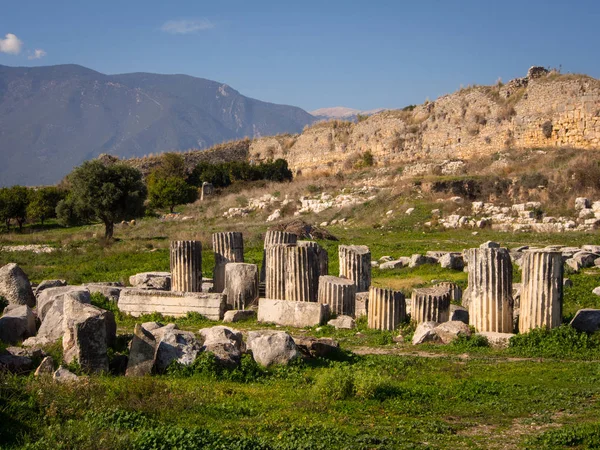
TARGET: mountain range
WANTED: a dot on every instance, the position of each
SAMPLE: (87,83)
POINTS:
(55,117)
(342,113)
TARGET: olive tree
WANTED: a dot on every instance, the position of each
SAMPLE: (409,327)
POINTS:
(13,205)
(105,192)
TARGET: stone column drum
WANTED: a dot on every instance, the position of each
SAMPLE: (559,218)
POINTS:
(186,266)
(355,265)
(339,294)
(542,291)
(273,238)
(490,290)
(228,248)
(302,277)
(430,304)
(276,265)
(386,309)
(241,285)
(322,256)
(454,289)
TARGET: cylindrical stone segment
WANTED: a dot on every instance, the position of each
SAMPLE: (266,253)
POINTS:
(339,294)
(386,309)
(430,305)
(454,289)
(241,285)
(355,265)
(276,265)
(228,248)
(490,290)
(322,256)
(273,238)
(542,291)
(302,278)
(186,266)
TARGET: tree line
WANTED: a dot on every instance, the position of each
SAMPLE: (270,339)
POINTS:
(110,192)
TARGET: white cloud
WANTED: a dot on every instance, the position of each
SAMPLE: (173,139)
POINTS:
(11,44)
(38,53)
(187,26)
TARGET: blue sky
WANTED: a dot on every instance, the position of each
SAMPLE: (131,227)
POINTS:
(312,54)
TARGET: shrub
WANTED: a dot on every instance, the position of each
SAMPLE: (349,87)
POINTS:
(547,129)
(555,343)
(533,180)
(336,383)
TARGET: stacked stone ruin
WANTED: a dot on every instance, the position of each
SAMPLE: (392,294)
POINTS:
(339,294)
(355,265)
(386,309)
(228,248)
(430,305)
(541,294)
(186,266)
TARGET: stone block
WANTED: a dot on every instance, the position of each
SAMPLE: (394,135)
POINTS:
(290,313)
(239,315)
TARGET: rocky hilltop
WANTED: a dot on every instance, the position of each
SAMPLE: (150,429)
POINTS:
(545,109)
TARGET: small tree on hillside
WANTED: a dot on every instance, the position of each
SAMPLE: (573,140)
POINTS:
(169,192)
(108,193)
(13,205)
(43,202)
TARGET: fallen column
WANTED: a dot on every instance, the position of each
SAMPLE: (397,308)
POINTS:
(355,265)
(228,248)
(541,295)
(186,266)
(339,294)
(386,309)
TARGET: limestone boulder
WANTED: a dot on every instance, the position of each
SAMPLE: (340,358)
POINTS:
(111,292)
(15,364)
(177,346)
(452,261)
(46,367)
(585,259)
(290,313)
(497,340)
(586,320)
(395,264)
(87,332)
(15,286)
(142,352)
(317,347)
(64,375)
(425,332)
(239,315)
(418,260)
(225,343)
(48,296)
(151,280)
(342,323)
(48,284)
(449,331)
(272,347)
(459,313)
(17,324)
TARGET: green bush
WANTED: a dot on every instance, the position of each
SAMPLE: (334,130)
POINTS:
(224,174)
(560,342)
(336,383)
(463,342)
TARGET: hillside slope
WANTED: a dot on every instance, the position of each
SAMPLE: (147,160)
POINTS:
(53,118)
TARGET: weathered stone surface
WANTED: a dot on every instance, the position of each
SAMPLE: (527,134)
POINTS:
(459,313)
(46,367)
(15,364)
(112,293)
(274,238)
(361,304)
(582,203)
(302,274)
(239,315)
(497,340)
(48,284)
(142,353)
(490,286)
(276,268)
(387,308)
(418,260)
(140,301)
(355,265)
(456,293)
(453,261)
(449,331)
(63,375)
(48,296)
(342,323)
(17,324)
(241,285)
(15,286)
(272,347)
(225,343)
(395,264)
(542,292)
(290,313)
(186,266)
(229,248)
(587,320)
(86,335)
(339,294)
(585,259)
(430,305)
(317,347)
(425,332)
(151,326)
(175,345)
(144,279)
(321,253)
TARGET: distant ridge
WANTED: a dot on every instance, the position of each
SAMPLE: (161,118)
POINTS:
(55,117)
(342,112)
